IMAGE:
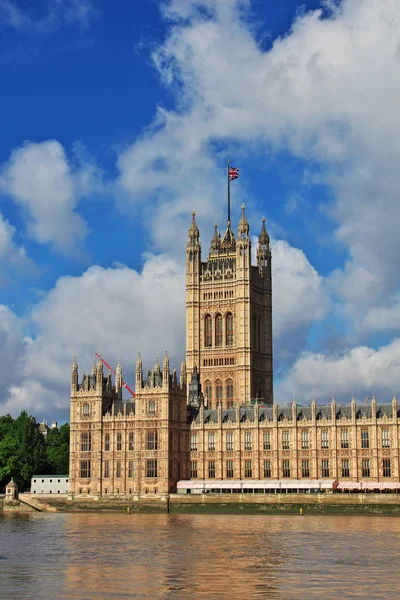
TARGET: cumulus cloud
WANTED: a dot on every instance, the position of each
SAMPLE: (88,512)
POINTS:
(116,311)
(13,257)
(361,369)
(327,92)
(13,347)
(47,187)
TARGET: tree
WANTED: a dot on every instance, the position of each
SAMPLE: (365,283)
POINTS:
(31,447)
(24,451)
(9,462)
(57,450)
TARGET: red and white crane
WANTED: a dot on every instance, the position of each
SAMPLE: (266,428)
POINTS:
(124,384)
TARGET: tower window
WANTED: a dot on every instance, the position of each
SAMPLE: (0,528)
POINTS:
(365,438)
(151,468)
(229,389)
(85,469)
(218,330)
(208,388)
(119,441)
(152,440)
(86,442)
(86,409)
(385,438)
(208,331)
(218,390)
(107,442)
(229,330)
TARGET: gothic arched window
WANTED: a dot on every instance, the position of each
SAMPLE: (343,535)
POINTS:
(208,331)
(229,389)
(86,409)
(218,391)
(229,329)
(218,330)
(208,390)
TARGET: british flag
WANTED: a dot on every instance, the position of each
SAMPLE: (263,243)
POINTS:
(233,173)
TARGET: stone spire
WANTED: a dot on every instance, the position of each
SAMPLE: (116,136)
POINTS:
(99,376)
(193,233)
(118,376)
(182,375)
(74,376)
(94,369)
(216,241)
(166,362)
(263,250)
(243,227)
(157,366)
(139,372)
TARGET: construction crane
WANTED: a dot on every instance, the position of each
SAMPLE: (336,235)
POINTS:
(124,384)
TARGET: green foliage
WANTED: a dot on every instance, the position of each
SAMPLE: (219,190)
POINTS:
(57,450)
(24,451)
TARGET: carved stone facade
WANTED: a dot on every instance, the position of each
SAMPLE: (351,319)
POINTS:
(129,448)
(229,316)
(343,442)
(218,421)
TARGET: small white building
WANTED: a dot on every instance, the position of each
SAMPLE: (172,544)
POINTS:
(49,484)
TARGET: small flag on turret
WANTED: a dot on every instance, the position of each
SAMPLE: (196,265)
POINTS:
(233,173)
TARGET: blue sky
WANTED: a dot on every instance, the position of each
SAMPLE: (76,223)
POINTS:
(117,121)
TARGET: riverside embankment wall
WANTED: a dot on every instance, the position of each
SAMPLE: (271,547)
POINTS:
(229,503)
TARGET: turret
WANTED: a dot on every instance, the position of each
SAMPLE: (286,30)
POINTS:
(157,374)
(215,245)
(74,376)
(182,374)
(165,373)
(99,377)
(243,246)
(394,408)
(193,233)
(263,249)
(243,226)
(118,377)
(139,373)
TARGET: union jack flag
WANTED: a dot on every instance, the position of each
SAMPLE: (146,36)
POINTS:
(233,173)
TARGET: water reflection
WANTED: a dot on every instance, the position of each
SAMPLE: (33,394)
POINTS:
(97,556)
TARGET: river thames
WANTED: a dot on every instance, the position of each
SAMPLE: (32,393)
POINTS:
(114,556)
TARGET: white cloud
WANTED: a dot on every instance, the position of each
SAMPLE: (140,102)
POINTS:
(115,311)
(299,296)
(362,370)
(14,261)
(47,186)
(328,92)
(12,348)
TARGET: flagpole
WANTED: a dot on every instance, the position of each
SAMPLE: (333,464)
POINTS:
(229,197)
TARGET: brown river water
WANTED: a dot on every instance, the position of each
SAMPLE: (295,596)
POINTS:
(118,556)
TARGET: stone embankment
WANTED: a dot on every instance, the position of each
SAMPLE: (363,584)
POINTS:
(311,504)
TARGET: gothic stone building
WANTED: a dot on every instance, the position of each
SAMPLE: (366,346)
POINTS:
(218,421)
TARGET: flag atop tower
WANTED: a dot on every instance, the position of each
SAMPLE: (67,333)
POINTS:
(233,173)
